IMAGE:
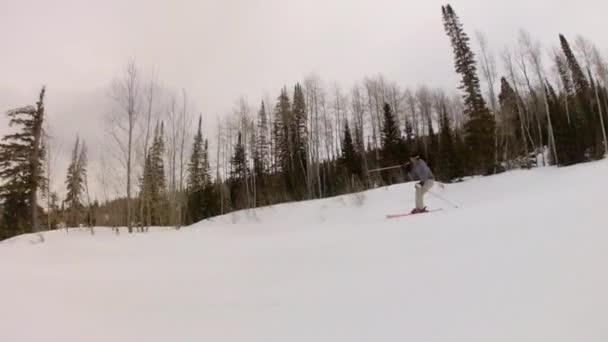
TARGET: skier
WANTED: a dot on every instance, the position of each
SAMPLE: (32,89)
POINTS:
(418,170)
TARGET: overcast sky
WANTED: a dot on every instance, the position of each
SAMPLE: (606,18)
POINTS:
(220,50)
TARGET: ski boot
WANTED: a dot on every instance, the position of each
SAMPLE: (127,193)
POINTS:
(418,211)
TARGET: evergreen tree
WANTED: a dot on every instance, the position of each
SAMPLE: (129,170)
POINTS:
(350,157)
(75,184)
(153,184)
(260,146)
(449,161)
(284,143)
(238,172)
(159,161)
(206,169)
(21,169)
(580,83)
(359,143)
(480,125)
(299,135)
(569,148)
(263,147)
(281,131)
(582,109)
(393,151)
(196,178)
(433,145)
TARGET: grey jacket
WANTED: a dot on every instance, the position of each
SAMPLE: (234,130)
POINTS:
(420,171)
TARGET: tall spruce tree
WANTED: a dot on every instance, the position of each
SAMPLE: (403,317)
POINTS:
(206,168)
(153,184)
(393,148)
(448,162)
(196,179)
(263,148)
(350,157)
(480,124)
(75,184)
(299,137)
(582,104)
(238,173)
(568,147)
(283,146)
(21,169)
(198,173)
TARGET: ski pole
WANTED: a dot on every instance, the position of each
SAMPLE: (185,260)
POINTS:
(443,199)
(385,168)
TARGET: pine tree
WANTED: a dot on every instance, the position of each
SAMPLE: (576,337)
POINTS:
(580,83)
(299,136)
(21,169)
(206,168)
(263,141)
(582,109)
(480,125)
(75,183)
(153,184)
(449,164)
(239,161)
(238,172)
(261,149)
(281,131)
(350,157)
(393,151)
(196,178)
(433,145)
(284,143)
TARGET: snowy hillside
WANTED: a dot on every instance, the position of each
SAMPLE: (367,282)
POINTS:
(522,259)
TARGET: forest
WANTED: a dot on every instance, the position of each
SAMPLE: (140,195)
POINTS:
(522,106)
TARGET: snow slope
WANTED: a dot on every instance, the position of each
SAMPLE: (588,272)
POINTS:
(523,259)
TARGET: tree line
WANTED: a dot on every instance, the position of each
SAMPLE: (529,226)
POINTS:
(312,141)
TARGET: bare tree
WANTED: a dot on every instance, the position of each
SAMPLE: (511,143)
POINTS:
(488,68)
(122,125)
(508,61)
(532,50)
(525,43)
(425,108)
(358,111)
(315,101)
(52,146)
(177,124)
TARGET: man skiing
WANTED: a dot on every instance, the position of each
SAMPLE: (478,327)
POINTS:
(418,170)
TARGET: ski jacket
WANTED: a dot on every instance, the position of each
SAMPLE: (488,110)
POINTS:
(420,171)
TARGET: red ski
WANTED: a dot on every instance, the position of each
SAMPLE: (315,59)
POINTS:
(409,214)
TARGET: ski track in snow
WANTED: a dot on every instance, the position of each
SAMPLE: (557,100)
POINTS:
(522,259)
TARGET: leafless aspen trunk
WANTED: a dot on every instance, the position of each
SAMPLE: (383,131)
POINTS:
(508,61)
(522,62)
(533,54)
(126,93)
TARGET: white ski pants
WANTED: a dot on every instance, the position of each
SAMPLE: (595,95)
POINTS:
(421,190)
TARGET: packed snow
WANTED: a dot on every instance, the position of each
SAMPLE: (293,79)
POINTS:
(523,258)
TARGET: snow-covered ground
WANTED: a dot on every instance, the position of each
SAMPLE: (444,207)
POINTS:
(523,259)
